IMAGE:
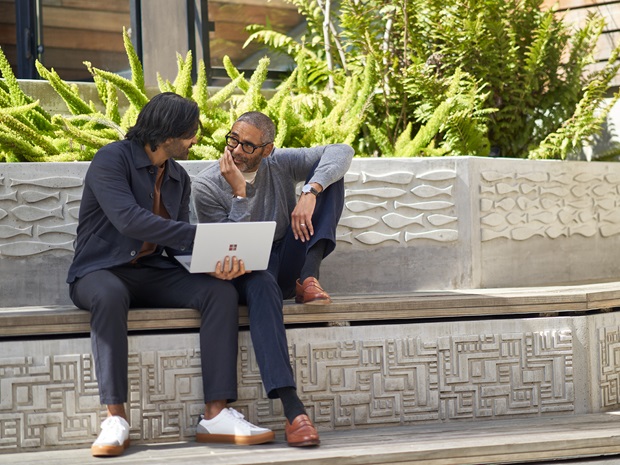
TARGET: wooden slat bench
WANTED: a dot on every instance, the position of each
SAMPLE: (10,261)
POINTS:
(42,320)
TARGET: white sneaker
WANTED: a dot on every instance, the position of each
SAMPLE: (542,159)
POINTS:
(230,427)
(113,439)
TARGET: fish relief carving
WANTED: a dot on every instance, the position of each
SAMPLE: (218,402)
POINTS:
(9,196)
(346,237)
(489,234)
(397,177)
(585,230)
(438,175)
(28,213)
(440,235)
(381,192)
(10,231)
(503,188)
(396,221)
(586,177)
(26,248)
(527,188)
(374,238)
(426,191)
(493,220)
(608,230)
(358,222)
(37,196)
(612,178)
(441,220)
(534,176)
(70,228)
(58,182)
(358,206)
(493,176)
(433,205)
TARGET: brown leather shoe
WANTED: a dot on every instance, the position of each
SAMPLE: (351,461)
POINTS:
(301,433)
(311,292)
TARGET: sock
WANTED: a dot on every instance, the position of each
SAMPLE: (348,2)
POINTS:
(314,257)
(291,403)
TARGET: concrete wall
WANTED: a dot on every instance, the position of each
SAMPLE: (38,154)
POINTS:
(408,224)
(348,377)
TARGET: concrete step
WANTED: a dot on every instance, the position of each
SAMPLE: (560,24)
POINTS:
(525,440)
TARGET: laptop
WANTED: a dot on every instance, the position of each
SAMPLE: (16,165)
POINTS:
(248,241)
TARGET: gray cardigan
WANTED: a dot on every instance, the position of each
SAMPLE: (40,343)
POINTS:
(272,196)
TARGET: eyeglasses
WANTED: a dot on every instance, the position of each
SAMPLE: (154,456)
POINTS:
(232,142)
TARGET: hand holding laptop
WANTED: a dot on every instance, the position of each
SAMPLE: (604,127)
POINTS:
(249,242)
(229,268)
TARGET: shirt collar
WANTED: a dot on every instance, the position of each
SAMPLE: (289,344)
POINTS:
(142,160)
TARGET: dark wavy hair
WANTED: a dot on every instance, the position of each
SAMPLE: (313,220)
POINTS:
(166,115)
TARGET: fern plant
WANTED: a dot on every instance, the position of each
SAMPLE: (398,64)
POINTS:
(529,73)
(302,116)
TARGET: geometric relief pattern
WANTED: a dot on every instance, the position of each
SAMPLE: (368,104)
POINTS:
(519,206)
(609,355)
(401,381)
(398,207)
(53,400)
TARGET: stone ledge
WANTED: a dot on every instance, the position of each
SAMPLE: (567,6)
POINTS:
(408,224)
(423,357)
(531,440)
(377,375)
(60,319)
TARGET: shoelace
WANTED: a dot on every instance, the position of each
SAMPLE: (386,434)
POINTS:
(112,427)
(240,417)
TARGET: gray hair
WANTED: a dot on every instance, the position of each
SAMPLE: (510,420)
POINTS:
(261,122)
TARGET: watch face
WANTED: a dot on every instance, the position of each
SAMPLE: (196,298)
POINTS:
(308,189)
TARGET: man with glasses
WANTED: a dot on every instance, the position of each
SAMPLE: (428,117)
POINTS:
(134,207)
(256,182)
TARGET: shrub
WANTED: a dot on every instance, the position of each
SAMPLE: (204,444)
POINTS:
(29,133)
(460,77)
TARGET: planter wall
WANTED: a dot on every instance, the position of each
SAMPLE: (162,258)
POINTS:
(408,224)
(348,377)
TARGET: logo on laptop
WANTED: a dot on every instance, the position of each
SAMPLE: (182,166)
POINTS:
(232,247)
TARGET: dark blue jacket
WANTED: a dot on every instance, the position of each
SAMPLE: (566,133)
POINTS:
(116,211)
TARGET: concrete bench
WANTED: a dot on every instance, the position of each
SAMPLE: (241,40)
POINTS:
(548,300)
(405,359)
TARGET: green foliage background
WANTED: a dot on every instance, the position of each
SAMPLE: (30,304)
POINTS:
(460,77)
(29,133)
(408,78)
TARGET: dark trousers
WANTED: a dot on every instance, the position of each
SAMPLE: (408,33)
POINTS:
(109,294)
(263,291)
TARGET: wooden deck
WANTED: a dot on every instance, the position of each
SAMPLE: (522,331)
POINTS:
(533,440)
(549,300)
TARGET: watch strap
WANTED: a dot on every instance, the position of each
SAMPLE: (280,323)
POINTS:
(308,189)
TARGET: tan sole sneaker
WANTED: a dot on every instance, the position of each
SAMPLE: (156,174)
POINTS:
(239,440)
(109,451)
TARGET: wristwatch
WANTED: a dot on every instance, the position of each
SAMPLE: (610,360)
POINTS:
(308,189)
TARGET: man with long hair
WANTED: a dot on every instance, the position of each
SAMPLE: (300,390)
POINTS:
(135,206)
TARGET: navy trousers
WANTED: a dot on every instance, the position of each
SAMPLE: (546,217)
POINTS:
(109,294)
(263,291)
